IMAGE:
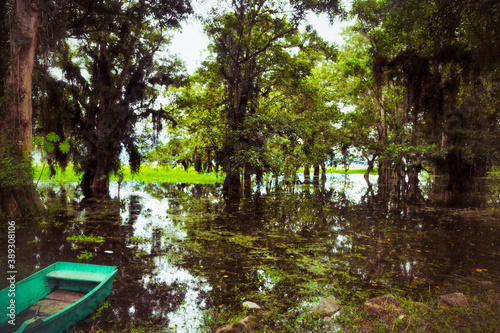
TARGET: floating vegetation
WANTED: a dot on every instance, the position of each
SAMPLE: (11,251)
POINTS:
(85,255)
(85,239)
(141,239)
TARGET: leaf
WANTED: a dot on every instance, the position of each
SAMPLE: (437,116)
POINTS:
(64,147)
(38,140)
(53,137)
(48,146)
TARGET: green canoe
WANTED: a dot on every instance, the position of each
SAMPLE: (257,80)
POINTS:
(55,298)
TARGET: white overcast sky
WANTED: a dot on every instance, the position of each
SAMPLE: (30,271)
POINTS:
(190,44)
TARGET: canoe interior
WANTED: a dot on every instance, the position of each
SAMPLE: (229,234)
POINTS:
(46,307)
(55,288)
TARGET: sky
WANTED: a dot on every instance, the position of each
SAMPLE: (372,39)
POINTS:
(190,43)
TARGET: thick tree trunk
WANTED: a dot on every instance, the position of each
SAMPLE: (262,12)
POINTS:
(100,184)
(19,80)
(368,170)
(19,201)
(18,196)
(316,174)
(198,164)
(4,46)
(232,184)
(461,173)
(384,181)
(307,174)
(209,164)
(414,191)
(259,175)
(247,178)
(323,172)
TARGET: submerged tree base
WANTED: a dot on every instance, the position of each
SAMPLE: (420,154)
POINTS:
(20,202)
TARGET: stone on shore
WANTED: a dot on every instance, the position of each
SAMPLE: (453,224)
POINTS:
(247,324)
(251,306)
(383,305)
(455,299)
(230,328)
(327,306)
(486,284)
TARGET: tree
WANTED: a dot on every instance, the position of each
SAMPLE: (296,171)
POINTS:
(112,79)
(17,193)
(304,115)
(195,138)
(430,48)
(251,44)
(379,127)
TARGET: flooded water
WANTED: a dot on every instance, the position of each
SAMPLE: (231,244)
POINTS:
(183,249)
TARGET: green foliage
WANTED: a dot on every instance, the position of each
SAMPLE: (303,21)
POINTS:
(49,143)
(139,239)
(112,79)
(415,86)
(159,174)
(252,97)
(15,168)
(68,175)
(420,62)
(64,147)
(100,309)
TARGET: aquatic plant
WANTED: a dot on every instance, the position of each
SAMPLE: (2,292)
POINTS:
(85,239)
(85,255)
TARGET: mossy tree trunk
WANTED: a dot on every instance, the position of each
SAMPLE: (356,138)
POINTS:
(17,191)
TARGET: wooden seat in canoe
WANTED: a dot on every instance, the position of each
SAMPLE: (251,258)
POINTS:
(77,276)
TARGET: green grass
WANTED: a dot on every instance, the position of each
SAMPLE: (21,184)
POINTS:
(352,171)
(147,174)
(158,174)
(42,173)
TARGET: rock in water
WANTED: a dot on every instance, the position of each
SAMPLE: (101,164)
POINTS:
(455,299)
(383,305)
(486,284)
(328,306)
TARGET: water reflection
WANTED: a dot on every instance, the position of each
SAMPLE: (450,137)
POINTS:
(182,249)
